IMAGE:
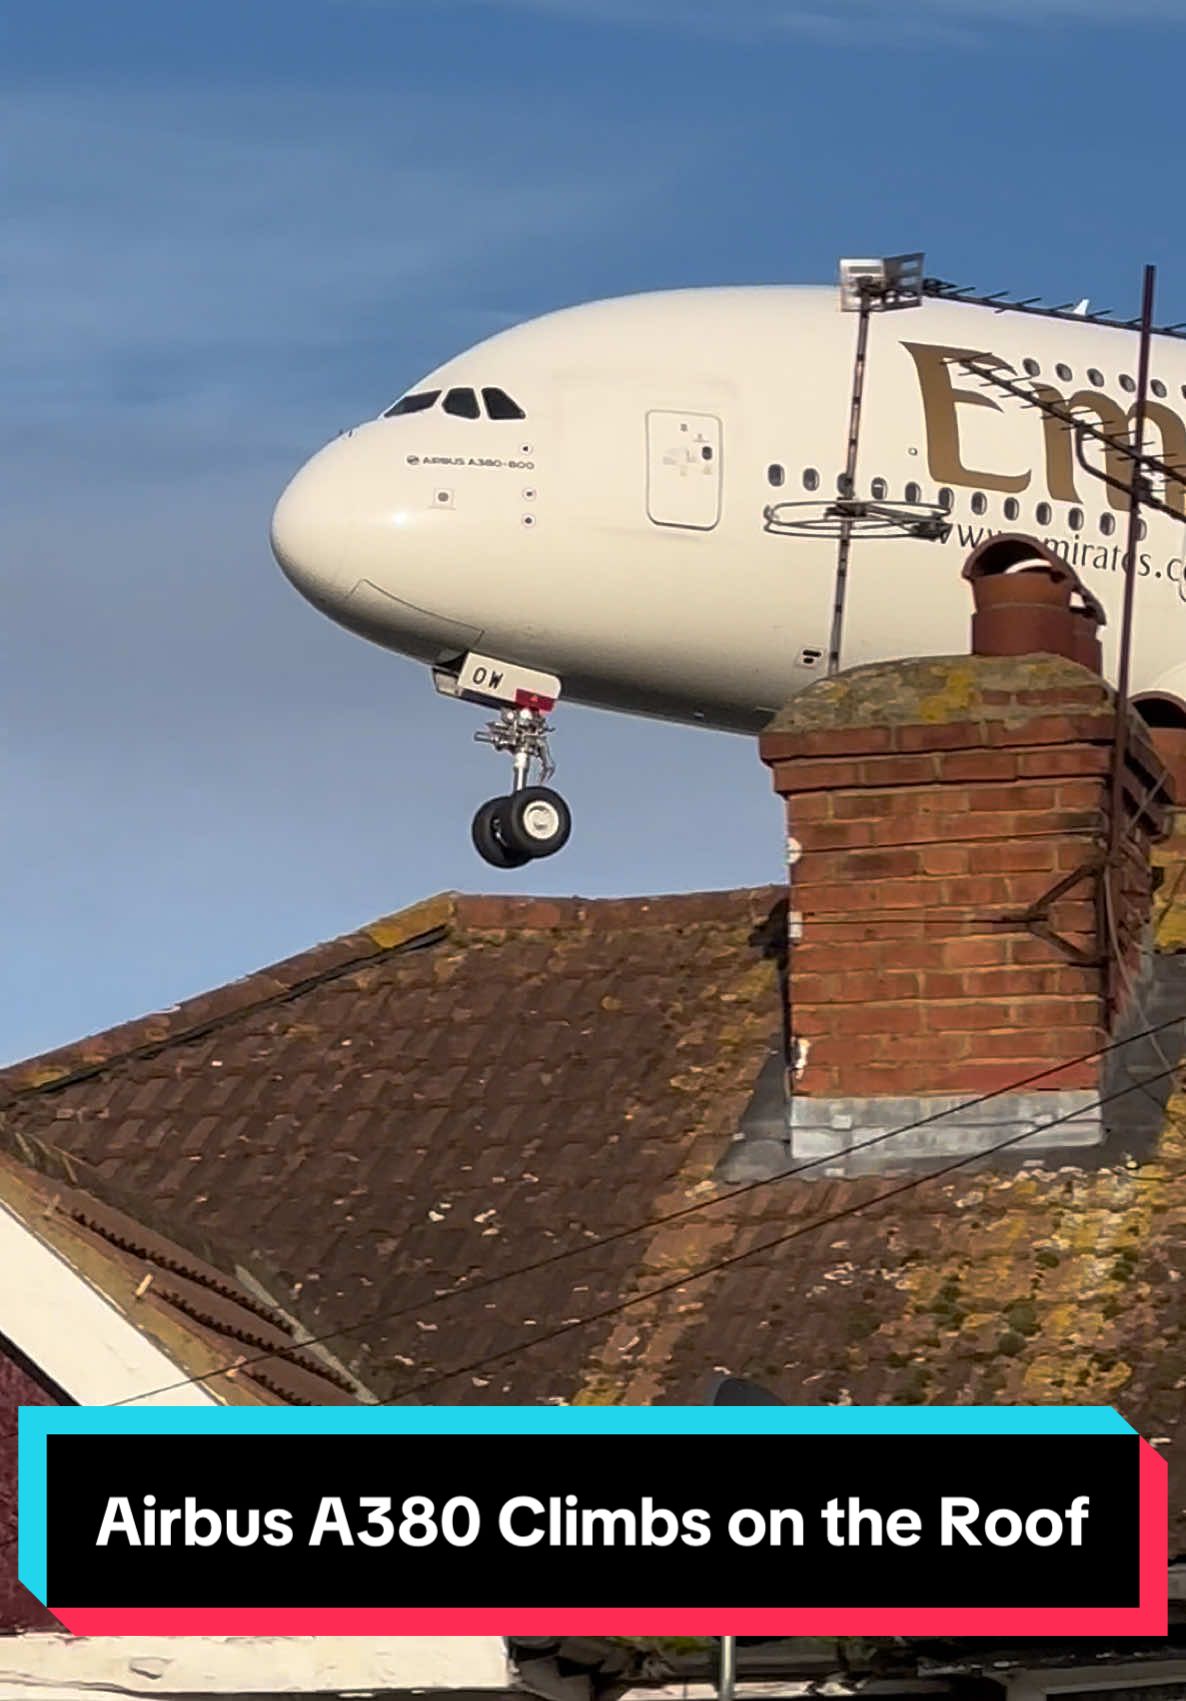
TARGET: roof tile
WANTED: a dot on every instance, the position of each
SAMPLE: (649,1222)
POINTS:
(480,1083)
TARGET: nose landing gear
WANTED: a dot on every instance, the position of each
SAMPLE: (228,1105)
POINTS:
(533,821)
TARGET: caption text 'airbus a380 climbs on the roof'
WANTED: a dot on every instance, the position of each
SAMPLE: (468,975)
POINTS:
(585,502)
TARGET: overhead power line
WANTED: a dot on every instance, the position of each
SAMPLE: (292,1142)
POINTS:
(844,1213)
(485,1283)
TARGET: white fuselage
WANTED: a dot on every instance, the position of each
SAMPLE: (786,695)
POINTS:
(615,534)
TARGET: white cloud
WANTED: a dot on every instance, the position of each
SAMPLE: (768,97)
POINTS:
(842,20)
(199,246)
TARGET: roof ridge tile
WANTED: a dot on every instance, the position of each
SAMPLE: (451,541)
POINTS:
(498,912)
(447,915)
(426,920)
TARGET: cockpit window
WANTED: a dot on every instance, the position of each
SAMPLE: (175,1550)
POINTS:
(420,402)
(500,406)
(462,403)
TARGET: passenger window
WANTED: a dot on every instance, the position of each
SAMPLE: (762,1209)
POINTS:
(1107,524)
(1064,372)
(463,404)
(913,493)
(1158,387)
(979,502)
(946,499)
(1012,507)
(878,489)
(1043,513)
(775,474)
(418,403)
(1127,383)
(1075,519)
(500,406)
(810,479)
(1032,367)
(1095,377)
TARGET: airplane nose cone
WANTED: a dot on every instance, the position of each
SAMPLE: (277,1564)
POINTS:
(353,540)
(306,535)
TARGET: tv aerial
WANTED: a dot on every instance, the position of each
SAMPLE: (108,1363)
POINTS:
(866,287)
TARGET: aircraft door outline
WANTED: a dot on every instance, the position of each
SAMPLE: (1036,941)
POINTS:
(684,469)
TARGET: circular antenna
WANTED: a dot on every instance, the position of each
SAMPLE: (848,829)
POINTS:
(860,519)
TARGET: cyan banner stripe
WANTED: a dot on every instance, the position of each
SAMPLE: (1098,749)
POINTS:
(574,1420)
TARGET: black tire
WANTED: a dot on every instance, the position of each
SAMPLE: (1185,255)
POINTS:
(537,822)
(487,838)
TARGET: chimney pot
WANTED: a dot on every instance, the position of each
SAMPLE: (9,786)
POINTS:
(1029,601)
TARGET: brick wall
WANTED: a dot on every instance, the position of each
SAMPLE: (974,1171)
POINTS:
(931,807)
(18,1609)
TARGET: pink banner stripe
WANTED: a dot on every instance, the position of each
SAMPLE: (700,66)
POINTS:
(1155,1543)
(620,1621)
(1149,1618)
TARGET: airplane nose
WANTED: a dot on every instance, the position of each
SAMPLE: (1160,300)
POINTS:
(306,533)
(358,544)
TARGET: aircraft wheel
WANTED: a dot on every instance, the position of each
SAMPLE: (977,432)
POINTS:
(488,840)
(537,821)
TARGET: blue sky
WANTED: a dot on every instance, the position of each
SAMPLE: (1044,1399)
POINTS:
(233,228)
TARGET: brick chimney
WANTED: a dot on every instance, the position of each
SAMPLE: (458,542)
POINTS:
(948,822)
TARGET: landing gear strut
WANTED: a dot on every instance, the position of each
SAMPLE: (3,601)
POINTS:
(533,821)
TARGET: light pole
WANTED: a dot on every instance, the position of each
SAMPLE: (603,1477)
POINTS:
(727,1673)
(736,1391)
